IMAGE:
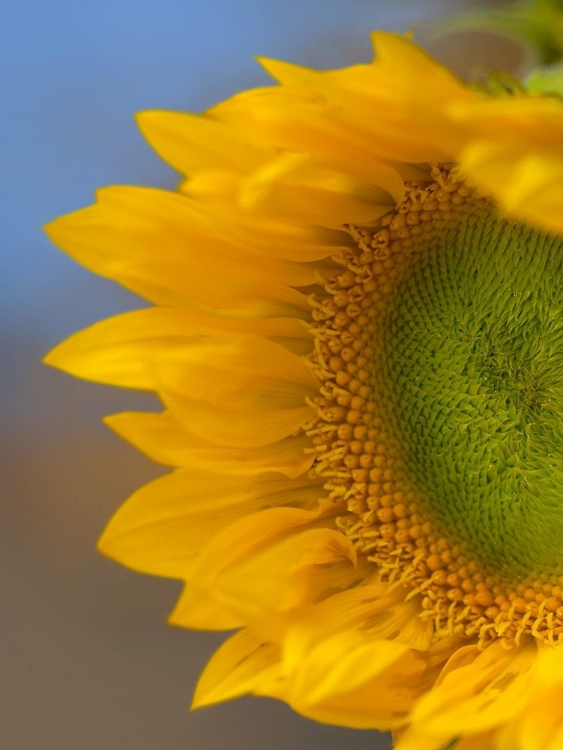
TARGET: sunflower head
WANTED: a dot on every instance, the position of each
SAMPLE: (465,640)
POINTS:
(357,337)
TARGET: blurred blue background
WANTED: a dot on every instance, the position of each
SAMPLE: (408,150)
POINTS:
(90,662)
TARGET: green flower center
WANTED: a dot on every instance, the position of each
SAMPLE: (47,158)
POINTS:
(473,367)
(439,423)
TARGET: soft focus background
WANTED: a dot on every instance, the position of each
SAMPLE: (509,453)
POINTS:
(88,660)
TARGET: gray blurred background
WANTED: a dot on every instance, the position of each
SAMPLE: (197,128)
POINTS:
(88,661)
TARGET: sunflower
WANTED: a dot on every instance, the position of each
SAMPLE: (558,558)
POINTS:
(357,338)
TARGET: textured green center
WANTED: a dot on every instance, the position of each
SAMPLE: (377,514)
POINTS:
(473,364)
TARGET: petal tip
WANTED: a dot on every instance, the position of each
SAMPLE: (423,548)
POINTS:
(197,702)
(56,357)
(106,544)
(145,118)
(55,229)
(274,68)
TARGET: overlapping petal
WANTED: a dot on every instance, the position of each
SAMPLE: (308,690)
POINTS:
(339,649)
(191,143)
(298,550)
(525,181)
(477,691)
(399,101)
(121,235)
(165,526)
(539,725)
(162,437)
(239,392)
(245,663)
(126,350)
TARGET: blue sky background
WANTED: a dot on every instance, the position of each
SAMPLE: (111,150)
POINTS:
(91,663)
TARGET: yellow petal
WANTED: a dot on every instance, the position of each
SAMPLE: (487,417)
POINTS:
(291,185)
(418,95)
(382,703)
(342,664)
(163,527)
(190,143)
(491,690)
(342,645)
(208,614)
(117,238)
(284,238)
(484,741)
(243,664)
(400,100)
(238,567)
(304,122)
(124,350)
(387,696)
(355,98)
(522,121)
(539,726)
(300,566)
(161,437)
(527,184)
(407,67)
(371,610)
(243,392)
